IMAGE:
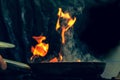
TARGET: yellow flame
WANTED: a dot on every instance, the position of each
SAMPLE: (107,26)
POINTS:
(60,57)
(41,48)
(70,23)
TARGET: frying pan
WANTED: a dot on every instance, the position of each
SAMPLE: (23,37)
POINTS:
(60,67)
(55,71)
(68,68)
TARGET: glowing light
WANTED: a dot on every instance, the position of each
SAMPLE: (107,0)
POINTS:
(70,23)
(41,48)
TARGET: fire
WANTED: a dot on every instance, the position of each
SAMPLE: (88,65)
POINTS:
(54,60)
(60,57)
(70,23)
(41,48)
(78,60)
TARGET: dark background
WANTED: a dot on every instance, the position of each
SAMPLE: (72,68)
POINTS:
(97,25)
(102,30)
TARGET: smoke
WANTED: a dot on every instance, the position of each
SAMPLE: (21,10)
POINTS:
(72,49)
(72,52)
(69,49)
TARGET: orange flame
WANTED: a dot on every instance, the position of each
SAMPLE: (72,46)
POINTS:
(54,60)
(70,23)
(60,56)
(41,48)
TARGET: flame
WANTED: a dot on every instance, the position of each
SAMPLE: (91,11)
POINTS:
(70,23)
(62,35)
(60,57)
(41,48)
(54,60)
(78,60)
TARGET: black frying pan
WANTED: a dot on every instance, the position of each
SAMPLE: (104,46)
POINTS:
(59,68)
(68,68)
(55,71)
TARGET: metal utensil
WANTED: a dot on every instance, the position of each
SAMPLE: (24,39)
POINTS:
(6,45)
(18,64)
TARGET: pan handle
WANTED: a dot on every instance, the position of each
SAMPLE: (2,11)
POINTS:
(18,64)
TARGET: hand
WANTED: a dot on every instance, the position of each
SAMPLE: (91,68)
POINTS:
(3,64)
